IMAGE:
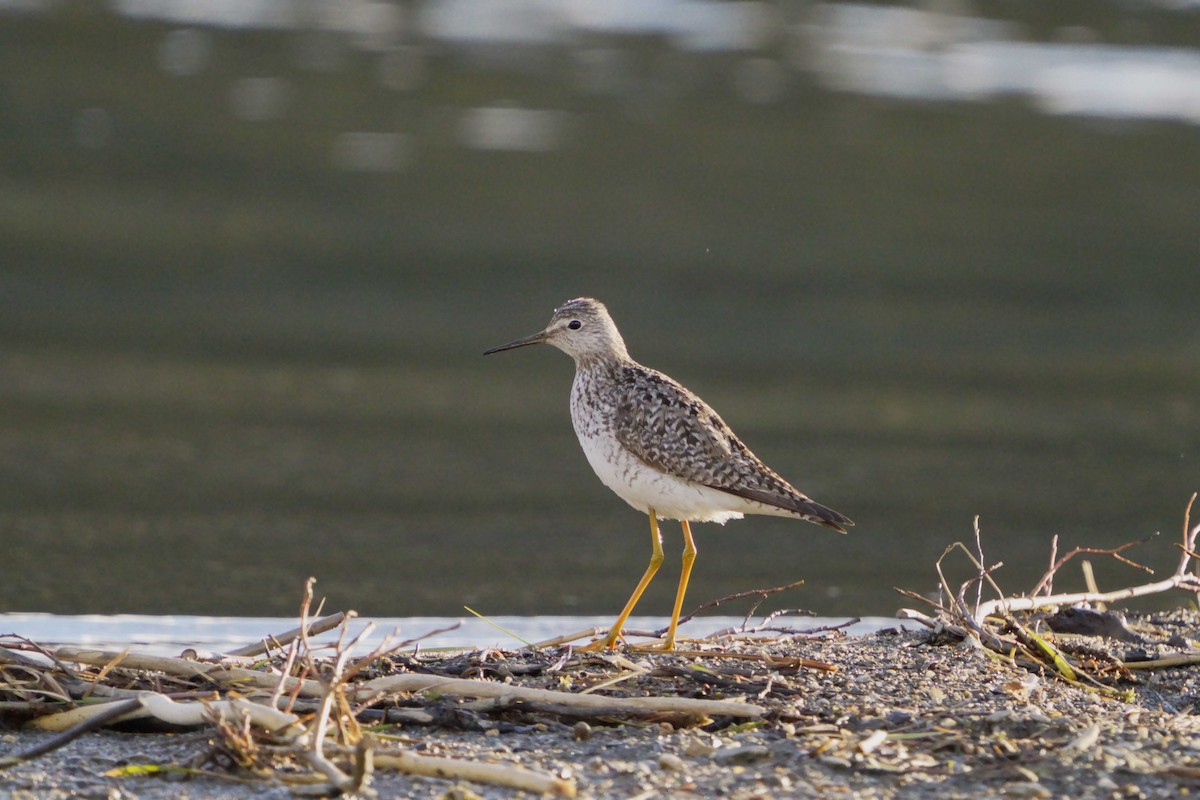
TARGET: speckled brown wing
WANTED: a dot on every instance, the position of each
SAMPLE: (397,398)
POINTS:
(671,429)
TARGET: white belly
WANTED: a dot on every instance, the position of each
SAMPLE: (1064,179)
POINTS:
(646,488)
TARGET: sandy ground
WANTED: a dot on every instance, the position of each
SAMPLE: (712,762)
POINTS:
(903,715)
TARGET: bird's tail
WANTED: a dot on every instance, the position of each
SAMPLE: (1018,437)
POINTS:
(790,501)
(823,515)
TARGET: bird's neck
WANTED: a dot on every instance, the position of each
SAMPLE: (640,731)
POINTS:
(603,361)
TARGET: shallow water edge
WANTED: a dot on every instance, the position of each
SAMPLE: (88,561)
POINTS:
(168,635)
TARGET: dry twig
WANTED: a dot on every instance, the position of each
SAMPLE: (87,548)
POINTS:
(955,615)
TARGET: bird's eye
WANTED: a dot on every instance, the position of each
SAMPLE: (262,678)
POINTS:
(574,324)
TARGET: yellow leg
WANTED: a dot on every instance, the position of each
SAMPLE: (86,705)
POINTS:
(656,559)
(689,557)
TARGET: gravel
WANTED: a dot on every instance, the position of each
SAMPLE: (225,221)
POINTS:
(902,716)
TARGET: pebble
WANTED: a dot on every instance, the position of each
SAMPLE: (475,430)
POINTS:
(671,762)
(837,733)
(872,742)
(1025,789)
(1086,739)
(746,754)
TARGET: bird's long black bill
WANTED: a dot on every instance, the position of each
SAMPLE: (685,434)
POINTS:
(537,338)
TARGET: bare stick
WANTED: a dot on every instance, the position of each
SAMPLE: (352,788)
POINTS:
(237,676)
(110,712)
(1181,660)
(277,694)
(955,610)
(1047,580)
(1181,579)
(586,633)
(1189,540)
(1089,578)
(979,550)
(777,662)
(961,612)
(495,774)
(910,594)
(1010,604)
(269,643)
(765,625)
(161,707)
(931,622)
(829,628)
(738,596)
(473,688)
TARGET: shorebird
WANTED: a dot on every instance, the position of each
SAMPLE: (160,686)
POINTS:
(661,448)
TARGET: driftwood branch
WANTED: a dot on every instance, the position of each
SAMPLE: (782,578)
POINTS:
(160,707)
(474,688)
(228,676)
(508,775)
(105,715)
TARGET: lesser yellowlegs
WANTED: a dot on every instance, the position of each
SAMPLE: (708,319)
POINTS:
(660,447)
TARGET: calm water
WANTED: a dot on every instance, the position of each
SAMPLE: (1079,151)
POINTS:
(247,271)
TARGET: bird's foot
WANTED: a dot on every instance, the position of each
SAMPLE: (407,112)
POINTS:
(654,647)
(610,643)
(607,643)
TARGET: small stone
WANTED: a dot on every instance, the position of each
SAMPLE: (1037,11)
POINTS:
(869,744)
(779,780)
(1027,775)
(1085,740)
(671,762)
(746,754)
(1024,789)
(698,748)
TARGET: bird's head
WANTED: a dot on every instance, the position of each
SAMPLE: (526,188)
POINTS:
(581,328)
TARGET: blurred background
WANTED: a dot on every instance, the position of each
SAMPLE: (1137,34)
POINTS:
(931,260)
